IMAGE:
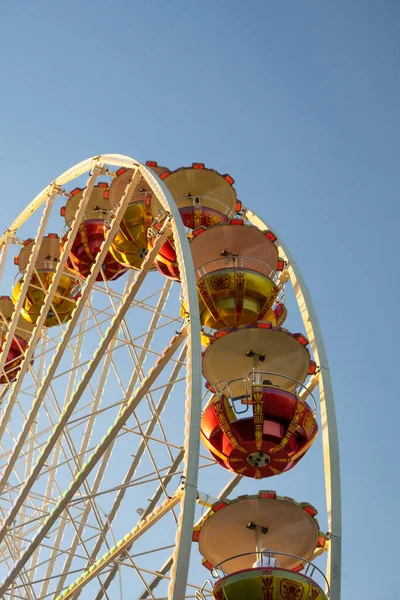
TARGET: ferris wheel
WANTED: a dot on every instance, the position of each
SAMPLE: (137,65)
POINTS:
(145,373)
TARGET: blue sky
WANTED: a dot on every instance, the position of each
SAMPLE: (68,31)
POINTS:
(299,102)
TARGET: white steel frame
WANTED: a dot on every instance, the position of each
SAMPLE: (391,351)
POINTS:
(191,335)
(330,439)
(178,562)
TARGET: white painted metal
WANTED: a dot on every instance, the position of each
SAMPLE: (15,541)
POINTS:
(68,409)
(147,512)
(49,296)
(328,413)
(124,544)
(180,568)
(56,359)
(26,502)
(136,459)
(224,493)
(45,390)
(132,468)
(53,192)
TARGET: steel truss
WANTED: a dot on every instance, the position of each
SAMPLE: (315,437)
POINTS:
(107,418)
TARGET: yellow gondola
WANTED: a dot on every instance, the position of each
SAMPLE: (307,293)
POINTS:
(68,287)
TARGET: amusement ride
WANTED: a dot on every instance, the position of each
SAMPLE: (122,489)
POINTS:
(146,371)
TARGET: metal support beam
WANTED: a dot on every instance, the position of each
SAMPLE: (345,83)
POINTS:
(121,547)
(134,465)
(52,194)
(180,569)
(224,493)
(95,457)
(193,390)
(65,339)
(114,570)
(330,437)
(136,460)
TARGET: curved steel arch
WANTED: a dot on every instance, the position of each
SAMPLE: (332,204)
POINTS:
(330,438)
(193,392)
(183,546)
(180,567)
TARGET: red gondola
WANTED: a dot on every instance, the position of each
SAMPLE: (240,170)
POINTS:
(91,234)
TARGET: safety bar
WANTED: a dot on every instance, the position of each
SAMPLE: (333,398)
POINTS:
(236,263)
(257,378)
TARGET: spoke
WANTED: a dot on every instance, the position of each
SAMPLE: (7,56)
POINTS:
(161,573)
(49,294)
(69,408)
(82,451)
(122,545)
(150,508)
(65,340)
(100,473)
(140,451)
(131,404)
(53,192)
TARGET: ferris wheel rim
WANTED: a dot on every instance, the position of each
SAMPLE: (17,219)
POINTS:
(327,409)
(193,409)
(330,442)
(76,170)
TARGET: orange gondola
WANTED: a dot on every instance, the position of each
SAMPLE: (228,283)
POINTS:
(256,545)
(261,433)
(91,234)
(129,246)
(257,425)
(204,198)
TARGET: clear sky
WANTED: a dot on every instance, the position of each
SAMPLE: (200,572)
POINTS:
(299,101)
